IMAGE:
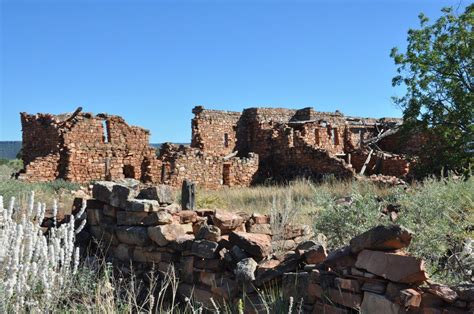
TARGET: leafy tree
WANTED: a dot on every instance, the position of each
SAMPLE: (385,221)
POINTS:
(437,70)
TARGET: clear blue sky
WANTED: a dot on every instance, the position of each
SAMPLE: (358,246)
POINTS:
(153,61)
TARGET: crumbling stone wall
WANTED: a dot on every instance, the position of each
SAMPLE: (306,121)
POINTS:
(388,164)
(85,148)
(226,257)
(213,131)
(207,170)
(227,148)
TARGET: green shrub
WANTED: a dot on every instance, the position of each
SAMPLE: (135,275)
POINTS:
(439,212)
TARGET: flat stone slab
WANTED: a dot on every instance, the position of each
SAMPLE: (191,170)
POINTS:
(375,303)
(255,244)
(204,248)
(161,193)
(227,221)
(245,270)
(392,266)
(163,235)
(386,238)
(137,205)
(102,190)
(132,235)
(120,196)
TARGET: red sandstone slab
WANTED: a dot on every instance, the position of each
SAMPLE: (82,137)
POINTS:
(393,266)
(257,245)
(376,303)
(382,237)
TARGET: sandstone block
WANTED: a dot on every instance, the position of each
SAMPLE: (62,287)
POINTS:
(147,255)
(186,269)
(340,258)
(410,298)
(393,266)
(344,298)
(375,303)
(161,193)
(227,221)
(204,248)
(126,218)
(188,228)
(132,235)
(306,245)
(102,190)
(122,252)
(105,236)
(260,228)
(237,253)
(182,243)
(260,219)
(268,264)
(164,234)
(187,216)
(293,231)
(120,196)
(245,270)
(172,208)
(375,287)
(347,284)
(211,233)
(443,292)
(257,245)
(382,237)
(136,205)
(214,264)
(284,245)
(316,254)
(158,218)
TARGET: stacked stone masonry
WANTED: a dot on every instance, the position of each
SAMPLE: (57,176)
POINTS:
(226,257)
(227,148)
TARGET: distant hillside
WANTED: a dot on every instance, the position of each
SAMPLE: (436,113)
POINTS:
(9,149)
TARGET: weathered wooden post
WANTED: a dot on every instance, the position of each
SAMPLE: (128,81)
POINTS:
(188,193)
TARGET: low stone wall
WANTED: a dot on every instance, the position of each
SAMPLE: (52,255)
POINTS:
(216,253)
(221,257)
(374,275)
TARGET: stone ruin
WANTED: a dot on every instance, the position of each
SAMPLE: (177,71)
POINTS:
(227,148)
(223,257)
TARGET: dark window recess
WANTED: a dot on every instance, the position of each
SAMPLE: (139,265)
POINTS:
(334,136)
(226,140)
(226,174)
(129,171)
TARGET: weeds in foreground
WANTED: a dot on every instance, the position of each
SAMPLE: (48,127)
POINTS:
(35,269)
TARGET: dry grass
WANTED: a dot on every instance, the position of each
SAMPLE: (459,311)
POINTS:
(302,197)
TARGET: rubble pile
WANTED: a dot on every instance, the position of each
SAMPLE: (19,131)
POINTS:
(217,254)
(223,257)
(374,275)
